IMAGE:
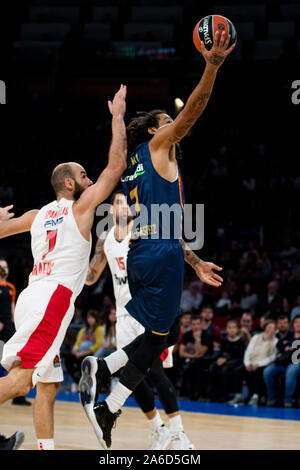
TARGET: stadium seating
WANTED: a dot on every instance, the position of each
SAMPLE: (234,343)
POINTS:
(146,31)
(105,14)
(271,49)
(245,31)
(36,50)
(157,14)
(290,11)
(97,32)
(45,31)
(281,30)
(54,14)
(242,12)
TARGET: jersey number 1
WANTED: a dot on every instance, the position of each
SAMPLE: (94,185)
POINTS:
(51,238)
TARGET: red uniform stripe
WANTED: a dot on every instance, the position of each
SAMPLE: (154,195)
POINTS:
(180,190)
(45,333)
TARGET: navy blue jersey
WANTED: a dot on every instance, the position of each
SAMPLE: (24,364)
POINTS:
(157,202)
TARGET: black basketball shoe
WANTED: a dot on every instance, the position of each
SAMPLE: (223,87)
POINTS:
(94,374)
(104,422)
(13,442)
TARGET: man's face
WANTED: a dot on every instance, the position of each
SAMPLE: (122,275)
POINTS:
(297,325)
(4,269)
(81,180)
(246,321)
(232,330)
(121,210)
(272,288)
(185,320)
(196,325)
(207,314)
(283,324)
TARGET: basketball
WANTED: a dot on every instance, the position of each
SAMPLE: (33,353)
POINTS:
(206,28)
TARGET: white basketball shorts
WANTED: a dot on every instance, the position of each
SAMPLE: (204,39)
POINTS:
(42,315)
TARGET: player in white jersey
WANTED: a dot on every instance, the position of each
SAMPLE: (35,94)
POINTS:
(112,248)
(61,243)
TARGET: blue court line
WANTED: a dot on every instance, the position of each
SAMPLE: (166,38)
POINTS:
(291,414)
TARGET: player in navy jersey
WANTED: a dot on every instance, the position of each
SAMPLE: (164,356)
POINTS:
(155,261)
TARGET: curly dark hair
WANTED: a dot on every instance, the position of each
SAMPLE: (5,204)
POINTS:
(137,129)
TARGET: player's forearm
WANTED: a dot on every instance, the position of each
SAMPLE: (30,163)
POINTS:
(196,103)
(189,256)
(118,148)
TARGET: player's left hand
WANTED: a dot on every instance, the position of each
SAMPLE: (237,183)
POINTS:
(5,214)
(204,271)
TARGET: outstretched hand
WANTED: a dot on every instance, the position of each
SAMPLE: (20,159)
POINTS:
(219,51)
(118,106)
(204,271)
(5,214)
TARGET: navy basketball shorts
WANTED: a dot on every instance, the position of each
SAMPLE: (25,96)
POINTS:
(155,275)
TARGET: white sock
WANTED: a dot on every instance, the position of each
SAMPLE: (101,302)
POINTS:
(116,360)
(176,424)
(45,444)
(117,397)
(155,422)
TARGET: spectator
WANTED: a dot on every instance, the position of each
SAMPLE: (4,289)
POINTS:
(226,373)
(88,341)
(185,322)
(249,299)
(191,298)
(109,336)
(286,307)
(246,323)
(77,322)
(196,349)
(283,367)
(224,303)
(296,310)
(250,251)
(283,326)
(207,315)
(261,352)
(270,302)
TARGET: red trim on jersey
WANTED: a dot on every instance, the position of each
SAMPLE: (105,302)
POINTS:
(164,355)
(45,333)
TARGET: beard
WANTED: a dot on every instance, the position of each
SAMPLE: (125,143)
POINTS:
(78,190)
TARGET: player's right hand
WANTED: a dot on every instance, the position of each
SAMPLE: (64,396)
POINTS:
(218,53)
(5,214)
(118,106)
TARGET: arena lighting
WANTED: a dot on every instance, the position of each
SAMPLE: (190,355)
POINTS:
(178,103)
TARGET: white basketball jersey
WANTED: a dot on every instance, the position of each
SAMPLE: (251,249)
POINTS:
(59,250)
(116,254)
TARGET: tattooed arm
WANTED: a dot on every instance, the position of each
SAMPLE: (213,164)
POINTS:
(172,133)
(98,262)
(203,269)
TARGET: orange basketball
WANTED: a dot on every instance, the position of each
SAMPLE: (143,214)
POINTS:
(206,28)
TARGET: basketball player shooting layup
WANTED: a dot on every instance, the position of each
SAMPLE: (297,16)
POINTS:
(61,244)
(112,248)
(155,266)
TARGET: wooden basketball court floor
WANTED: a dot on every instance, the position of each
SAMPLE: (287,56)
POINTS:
(206,431)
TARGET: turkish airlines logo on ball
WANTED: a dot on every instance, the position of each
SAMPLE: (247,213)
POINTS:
(221,26)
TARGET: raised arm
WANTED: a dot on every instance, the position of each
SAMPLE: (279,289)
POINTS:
(110,176)
(171,133)
(17,225)
(98,261)
(203,269)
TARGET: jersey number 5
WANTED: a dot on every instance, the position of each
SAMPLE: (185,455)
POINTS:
(51,238)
